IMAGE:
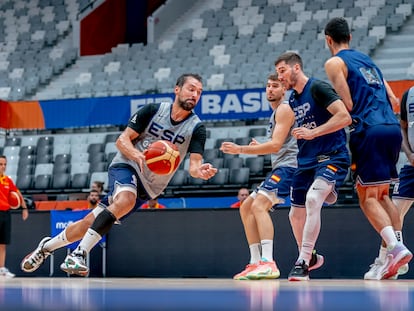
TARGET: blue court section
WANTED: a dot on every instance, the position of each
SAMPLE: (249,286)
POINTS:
(203,294)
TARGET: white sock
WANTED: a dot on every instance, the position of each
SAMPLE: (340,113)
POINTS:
(254,253)
(267,249)
(57,242)
(399,236)
(388,235)
(90,239)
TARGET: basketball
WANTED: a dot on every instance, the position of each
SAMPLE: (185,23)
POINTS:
(162,157)
(14,200)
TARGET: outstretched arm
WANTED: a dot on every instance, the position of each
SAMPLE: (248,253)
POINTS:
(284,118)
(198,169)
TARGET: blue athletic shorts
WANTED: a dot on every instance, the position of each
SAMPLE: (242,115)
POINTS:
(404,189)
(332,169)
(277,181)
(375,153)
(121,175)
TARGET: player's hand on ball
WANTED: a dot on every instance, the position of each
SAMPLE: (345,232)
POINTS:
(140,159)
(206,171)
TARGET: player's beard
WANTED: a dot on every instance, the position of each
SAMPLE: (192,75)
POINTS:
(93,201)
(293,79)
(187,104)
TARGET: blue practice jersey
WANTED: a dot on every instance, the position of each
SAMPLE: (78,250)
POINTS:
(371,105)
(310,109)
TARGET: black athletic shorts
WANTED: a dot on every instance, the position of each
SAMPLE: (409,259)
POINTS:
(5,227)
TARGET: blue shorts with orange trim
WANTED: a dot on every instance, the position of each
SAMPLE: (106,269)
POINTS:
(332,169)
(279,180)
(375,152)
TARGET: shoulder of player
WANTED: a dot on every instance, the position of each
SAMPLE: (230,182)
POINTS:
(334,61)
(319,86)
(282,110)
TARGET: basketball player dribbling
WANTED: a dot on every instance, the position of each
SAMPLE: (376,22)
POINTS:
(131,183)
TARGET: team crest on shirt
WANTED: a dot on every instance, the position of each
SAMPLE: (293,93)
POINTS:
(370,75)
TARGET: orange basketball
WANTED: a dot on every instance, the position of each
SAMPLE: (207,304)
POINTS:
(162,157)
(14,200)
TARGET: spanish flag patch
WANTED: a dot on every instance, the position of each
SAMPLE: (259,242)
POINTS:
(333,168)
(275,178)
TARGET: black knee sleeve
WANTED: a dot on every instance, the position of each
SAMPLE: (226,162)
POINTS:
(103,222)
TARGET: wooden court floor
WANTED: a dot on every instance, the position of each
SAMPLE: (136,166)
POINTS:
(77,293)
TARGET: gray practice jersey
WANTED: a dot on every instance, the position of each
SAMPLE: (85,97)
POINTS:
(160,127)
(287,154)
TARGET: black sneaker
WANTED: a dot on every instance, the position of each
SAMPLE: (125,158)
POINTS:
(316,261)
(300,272)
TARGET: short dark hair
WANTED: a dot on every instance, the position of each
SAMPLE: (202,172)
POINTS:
(99,184)
(183,78)
(338,29)
(291,58)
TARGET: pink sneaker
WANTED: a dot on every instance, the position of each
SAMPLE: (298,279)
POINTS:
(398,256)
(265,270)
(316,261)
(243,275)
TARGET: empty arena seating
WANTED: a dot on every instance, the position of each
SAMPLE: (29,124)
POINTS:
(222,42)
(57,162)
(69,162)
(232,43)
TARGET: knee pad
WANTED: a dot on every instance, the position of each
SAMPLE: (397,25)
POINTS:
(103,222)
(321,191)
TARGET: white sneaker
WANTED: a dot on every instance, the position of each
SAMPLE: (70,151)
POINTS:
(5,273)
(376,270)
(75,263)
(33,260)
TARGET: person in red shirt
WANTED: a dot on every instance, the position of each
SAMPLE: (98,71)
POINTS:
(152,204)
(242,195)
(6,186)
